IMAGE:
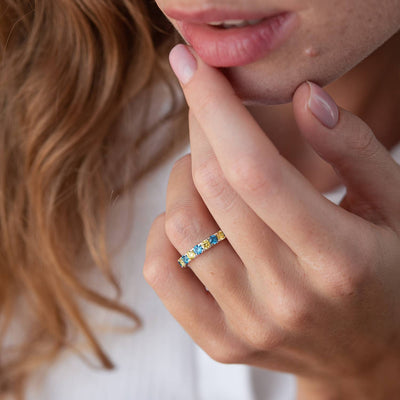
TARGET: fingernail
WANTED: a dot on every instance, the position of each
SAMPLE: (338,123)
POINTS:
(183,63)
(323,106)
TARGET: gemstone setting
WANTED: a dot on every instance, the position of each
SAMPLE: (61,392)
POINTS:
(206,244)
(191,254)
(213,239)
(220,236)
(182,263)
(186,259)
(198,249)
(201,248)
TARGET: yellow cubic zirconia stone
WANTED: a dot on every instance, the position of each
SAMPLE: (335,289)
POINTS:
(191,254)
(206,244)
(220,235)
(182,263)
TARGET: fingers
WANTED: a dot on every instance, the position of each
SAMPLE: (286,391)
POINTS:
(179,289)
(225,332)
(367,169)
(271,186)
(260,249)
(188,222)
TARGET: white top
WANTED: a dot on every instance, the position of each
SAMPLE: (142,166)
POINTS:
(160,361)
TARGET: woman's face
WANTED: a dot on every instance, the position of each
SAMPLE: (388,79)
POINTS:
(317,40)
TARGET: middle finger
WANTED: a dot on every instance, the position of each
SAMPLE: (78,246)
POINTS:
(260,249)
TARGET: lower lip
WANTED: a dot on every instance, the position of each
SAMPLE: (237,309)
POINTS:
(238,46)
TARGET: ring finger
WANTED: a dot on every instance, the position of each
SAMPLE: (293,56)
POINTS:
(188,222)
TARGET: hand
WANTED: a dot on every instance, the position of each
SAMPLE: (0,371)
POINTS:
(301,285)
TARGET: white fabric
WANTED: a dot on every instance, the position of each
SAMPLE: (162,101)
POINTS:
(160,361)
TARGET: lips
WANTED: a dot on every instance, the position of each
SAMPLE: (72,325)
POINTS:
(235,46)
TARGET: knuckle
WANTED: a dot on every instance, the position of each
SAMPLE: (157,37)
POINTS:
(294,315)
(342,285)
(207,105)
(254,176)
(351,271)
(211,183)
(349,278)
(182,163)
(150,268)
(160,219)
(156,226)
(358,266)
(207,174)
(182,225)
(153,271)
(260,337)
(362,141)
(257,331)
(291,307)
(227,351)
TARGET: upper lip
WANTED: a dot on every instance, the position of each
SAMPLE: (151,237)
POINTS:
(214,14)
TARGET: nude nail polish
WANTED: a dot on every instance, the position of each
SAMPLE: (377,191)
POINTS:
(323,106)
(183,63)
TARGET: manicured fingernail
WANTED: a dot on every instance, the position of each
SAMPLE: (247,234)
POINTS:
(183,63)
(323,106)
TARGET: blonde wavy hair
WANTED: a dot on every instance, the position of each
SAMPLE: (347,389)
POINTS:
(68,70)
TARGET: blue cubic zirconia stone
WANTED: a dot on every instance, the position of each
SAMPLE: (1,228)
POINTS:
(186,259)
(198,249)
(213,239)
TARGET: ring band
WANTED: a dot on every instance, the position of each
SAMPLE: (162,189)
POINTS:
(201,248)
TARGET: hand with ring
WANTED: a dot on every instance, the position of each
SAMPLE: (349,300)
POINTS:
(300,284)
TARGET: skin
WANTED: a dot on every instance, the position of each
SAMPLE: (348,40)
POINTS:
(286,291)
(311,53)
(332,38)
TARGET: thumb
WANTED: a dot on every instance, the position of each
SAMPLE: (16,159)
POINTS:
(345,141)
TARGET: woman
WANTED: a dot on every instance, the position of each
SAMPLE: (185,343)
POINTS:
(73,81)
(301,285)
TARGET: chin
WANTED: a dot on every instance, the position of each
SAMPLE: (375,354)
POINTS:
(254,89)
(275,82)
(266,96)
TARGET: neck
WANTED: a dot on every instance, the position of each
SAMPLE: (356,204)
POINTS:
(370,91)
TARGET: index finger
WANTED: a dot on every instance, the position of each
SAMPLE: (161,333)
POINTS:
(267,182)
